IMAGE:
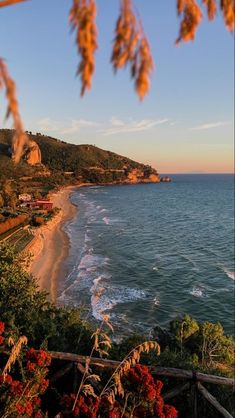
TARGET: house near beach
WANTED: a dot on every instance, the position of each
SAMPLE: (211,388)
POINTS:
(41,204)
(25,197)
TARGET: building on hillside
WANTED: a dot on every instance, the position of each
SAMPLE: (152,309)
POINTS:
(25,197)
(41,204)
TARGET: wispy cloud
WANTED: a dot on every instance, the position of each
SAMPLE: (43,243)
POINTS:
(66,127)
(118,126)
(77,125)
(48,125)
(112,127)
(210,125)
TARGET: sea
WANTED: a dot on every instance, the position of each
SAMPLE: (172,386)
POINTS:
(145,254)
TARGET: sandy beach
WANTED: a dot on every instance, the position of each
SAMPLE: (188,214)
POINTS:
(50,246)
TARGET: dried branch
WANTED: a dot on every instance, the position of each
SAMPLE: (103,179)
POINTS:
(4,3)
(15,352)
(131,46)
(211,8)
(192,16)
(20,137)
(82,19)
(228,10)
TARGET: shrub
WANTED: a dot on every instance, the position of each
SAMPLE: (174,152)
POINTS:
(12,223)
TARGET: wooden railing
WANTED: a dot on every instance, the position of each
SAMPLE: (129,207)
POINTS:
(194,379)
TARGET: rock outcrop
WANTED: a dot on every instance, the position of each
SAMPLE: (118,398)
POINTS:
(32,153)
(165,179)
(138,176)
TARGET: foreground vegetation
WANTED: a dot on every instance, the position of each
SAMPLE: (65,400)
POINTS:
(26,311)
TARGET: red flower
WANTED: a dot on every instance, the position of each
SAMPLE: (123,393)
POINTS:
(1,340)
(44,385)
(16,387)
(38,414)
(31,354)
(43,358)
(170,411)
(31,366)
(28,408)
(158,386)
(37,402)
(20,409)
(2,327)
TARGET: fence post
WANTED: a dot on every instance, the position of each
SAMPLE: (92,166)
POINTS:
(194,395)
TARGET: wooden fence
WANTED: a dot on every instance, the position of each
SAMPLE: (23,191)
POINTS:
(193,379)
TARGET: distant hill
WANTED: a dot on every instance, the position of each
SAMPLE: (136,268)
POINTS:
(50,158)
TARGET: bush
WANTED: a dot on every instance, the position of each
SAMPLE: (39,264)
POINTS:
(12,223)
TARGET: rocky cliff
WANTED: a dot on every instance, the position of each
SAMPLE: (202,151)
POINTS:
(140,176)
(32,153)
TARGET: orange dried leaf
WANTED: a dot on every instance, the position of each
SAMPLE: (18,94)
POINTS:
(82,19)
(192,16)
(211,8)
(228,10)
(20,137)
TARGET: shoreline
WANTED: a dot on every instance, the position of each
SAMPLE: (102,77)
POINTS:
(51,244)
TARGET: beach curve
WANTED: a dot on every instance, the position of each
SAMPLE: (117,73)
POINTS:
(50,247)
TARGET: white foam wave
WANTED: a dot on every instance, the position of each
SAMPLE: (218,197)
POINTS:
(108,298)
(87,238)
(156,301)
(197,292)
(229,273)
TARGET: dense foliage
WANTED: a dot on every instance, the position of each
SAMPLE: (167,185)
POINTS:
(187,344)
(25,390)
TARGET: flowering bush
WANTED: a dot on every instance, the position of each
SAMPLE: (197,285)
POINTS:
(20,397)
(142,399)
(21,390)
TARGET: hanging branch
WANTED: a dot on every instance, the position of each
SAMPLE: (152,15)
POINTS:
(4,3)
(82,19)
(228,10)
(20,137)
(192,16)
(131,46)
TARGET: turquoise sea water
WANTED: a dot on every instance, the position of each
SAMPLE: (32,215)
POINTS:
(147,253)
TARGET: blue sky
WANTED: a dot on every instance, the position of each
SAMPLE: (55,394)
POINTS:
(184,125)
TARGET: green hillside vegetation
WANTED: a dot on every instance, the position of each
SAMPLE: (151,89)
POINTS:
(68,162)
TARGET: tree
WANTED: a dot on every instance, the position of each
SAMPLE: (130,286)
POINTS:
(130,47)
(28,310)
(183,328)
(215,345)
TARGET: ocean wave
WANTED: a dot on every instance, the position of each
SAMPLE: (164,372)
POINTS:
(105,299)
(156,301)
(92,260)
(106,221)
(229,273)
(197,292)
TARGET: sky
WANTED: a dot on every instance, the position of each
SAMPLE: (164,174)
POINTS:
(185,124)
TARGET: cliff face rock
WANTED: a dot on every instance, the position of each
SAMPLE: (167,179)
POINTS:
(154,178)
(139,176)
(33,154)
(165,179)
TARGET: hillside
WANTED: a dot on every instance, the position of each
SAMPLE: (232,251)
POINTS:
(50,157)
